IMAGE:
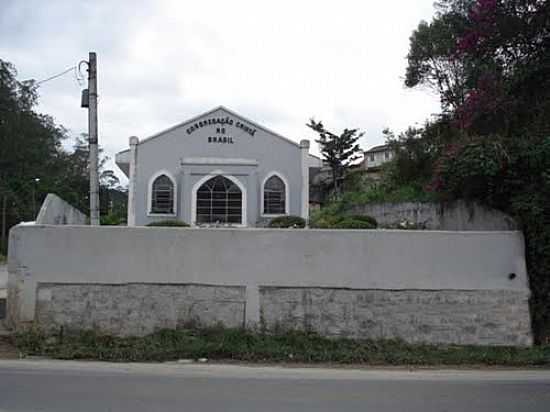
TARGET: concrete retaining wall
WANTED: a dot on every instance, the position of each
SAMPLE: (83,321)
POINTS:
(452,287)
(55,211)
(458,215)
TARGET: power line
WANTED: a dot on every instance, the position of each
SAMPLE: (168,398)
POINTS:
(56,76)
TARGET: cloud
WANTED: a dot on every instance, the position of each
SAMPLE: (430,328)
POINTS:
(279,63)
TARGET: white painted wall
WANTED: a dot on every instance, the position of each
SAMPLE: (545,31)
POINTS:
(370,259)
(55,211)
(189,156)
(377,159)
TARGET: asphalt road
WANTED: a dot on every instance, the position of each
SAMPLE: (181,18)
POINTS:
(80,386)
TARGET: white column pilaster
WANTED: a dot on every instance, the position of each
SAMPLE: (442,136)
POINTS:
(304,147)
(134,141)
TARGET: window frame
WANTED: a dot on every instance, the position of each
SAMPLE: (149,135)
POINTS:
(262,197)
(230,205)
(150,195)
(205,179)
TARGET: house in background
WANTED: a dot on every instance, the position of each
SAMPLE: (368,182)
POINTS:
(376,157)
(216,168)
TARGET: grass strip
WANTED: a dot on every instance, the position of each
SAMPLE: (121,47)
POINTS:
(291,347)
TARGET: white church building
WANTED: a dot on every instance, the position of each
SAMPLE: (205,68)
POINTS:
(217,168)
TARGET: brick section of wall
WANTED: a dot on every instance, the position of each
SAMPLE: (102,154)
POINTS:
(137,309)
(491,317)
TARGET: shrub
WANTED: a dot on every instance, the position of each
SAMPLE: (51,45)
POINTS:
(349,222)
(323,222)
(287,221)
(358,181)
(344,222)
(474,170)
(111,220)
(365,219)
(168,223)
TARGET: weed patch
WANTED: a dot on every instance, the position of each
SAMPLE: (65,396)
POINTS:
(243,345)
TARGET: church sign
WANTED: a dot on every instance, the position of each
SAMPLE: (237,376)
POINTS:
(221,121)
(220,139)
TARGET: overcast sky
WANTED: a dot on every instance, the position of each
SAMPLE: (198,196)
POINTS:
(278,63)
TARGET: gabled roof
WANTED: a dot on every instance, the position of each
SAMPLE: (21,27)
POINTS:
(228,111)
(380,148)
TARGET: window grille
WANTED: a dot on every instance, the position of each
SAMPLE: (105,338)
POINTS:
(162,196)
(219,200)
(274,196)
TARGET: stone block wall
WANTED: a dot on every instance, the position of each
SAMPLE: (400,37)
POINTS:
(137,309)
(446,316)
(488,317)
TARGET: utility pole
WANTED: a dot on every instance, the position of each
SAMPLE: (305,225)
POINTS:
(3,244)
(34,184)
(33,202)
(92,139)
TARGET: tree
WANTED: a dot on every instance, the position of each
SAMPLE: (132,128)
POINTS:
(500,154)
(431,61)
(338,150)
(507,45)
(33,161)
(30,143)
(488,60)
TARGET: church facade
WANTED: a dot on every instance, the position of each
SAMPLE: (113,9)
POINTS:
(218,168)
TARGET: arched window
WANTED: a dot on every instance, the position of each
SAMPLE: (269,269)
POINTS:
(274,196)
(162,195)
(219,200)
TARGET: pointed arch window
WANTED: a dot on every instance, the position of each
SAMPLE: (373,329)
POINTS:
(162,195)
(274,196)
